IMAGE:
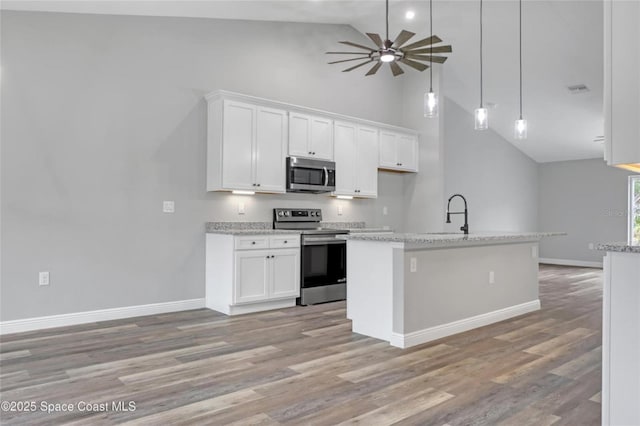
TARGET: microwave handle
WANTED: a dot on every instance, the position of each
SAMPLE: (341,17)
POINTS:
(326,176)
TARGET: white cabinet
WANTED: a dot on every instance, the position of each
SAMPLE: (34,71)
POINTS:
(622,83)
(621,340)
(310,136)
(356,157)
(252,273)
(246,147)
(398,151)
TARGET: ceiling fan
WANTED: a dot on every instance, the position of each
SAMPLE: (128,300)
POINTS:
(393,52)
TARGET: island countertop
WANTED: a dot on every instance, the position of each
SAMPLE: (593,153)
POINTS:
(618,247)
(437,240)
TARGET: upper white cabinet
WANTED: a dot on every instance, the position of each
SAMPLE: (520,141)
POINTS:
(310,136)
(247,146)
(356,157)
(622,83)
(398,151)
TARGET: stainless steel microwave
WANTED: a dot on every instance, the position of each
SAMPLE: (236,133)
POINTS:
(311,176)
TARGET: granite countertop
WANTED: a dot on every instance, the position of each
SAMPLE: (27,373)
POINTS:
(369,230)
(444,239)
(618,247)
(245,228)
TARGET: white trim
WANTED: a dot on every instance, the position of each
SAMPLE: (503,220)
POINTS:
(433,333)
(570,262)
(63,320)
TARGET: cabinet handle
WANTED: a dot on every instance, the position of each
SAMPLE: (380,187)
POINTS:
(257,184)
(253,242)
(267,257)
(310,153)
(285,241)
(313,153)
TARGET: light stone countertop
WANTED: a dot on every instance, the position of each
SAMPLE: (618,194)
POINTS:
(245,228)
(451,239)
(618,247)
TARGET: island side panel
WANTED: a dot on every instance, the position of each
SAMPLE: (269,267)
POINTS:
(450,291)
(370,281)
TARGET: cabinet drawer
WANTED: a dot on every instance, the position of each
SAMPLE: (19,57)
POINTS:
(284,241)
(252,242)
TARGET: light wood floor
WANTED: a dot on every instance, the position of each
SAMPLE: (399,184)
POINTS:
(303,366)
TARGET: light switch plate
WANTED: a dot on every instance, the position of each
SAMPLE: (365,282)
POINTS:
(43,278)
(241,208)
(168,206)
(413,264)
(339,210)
(385,211)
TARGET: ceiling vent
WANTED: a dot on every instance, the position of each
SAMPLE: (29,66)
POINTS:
(576,89)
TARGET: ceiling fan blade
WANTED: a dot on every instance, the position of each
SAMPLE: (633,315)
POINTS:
(414,64)
(402,38)
(376,39)
(395,69)
(438,49)
(349,60)
(345,53)
(436,59)
(424,42)
(357,66)
(357,45)
(374,69)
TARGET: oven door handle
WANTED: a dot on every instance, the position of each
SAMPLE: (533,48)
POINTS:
(326,176)
(322,241)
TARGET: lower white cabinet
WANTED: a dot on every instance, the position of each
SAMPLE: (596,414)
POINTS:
(621,340)
(252,273)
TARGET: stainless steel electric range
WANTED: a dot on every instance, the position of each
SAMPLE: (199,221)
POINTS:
(323,255)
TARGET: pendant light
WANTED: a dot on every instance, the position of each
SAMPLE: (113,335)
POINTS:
(521,124)
(430,98)
(481,115)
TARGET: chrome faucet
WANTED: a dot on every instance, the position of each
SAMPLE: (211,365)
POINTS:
(464,228)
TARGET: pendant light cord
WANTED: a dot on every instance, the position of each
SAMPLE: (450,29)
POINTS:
(520,59)
(431,48)
(481,80)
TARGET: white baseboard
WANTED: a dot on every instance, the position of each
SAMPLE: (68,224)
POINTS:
(444,330)
(39,323)
(569,262)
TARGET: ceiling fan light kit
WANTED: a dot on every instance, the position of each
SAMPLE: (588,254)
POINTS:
(395,52)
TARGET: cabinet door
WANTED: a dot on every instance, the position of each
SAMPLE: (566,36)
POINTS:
(238,130)
(388,150)
(299,135)
(252,276)
(285,273)
(407,153)
(321,144)
(624,93)
(271,150)
(345,157)
(367,162)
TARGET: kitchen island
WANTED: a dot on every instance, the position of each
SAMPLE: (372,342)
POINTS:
(409,289)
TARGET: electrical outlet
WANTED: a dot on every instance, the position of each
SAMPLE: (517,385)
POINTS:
(241,208)
(534,251)
(492,277)
(385,211)
(413,264)
(43,278)
(591,246)
(168,206)
(339,210)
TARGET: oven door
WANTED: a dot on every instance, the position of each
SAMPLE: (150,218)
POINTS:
(324,261)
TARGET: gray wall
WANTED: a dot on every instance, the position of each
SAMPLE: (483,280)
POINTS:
(498,180)
(588,200)
(103,118)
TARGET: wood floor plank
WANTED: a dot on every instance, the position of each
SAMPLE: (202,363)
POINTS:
(303,365)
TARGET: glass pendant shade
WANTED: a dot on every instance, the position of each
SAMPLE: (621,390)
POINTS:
(482,119)
(521,129)
(430,104)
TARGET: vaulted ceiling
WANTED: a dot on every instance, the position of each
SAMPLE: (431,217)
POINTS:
(562,46)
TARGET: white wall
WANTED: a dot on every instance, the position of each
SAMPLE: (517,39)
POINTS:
(588,200)
(499,182)
(104,118)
